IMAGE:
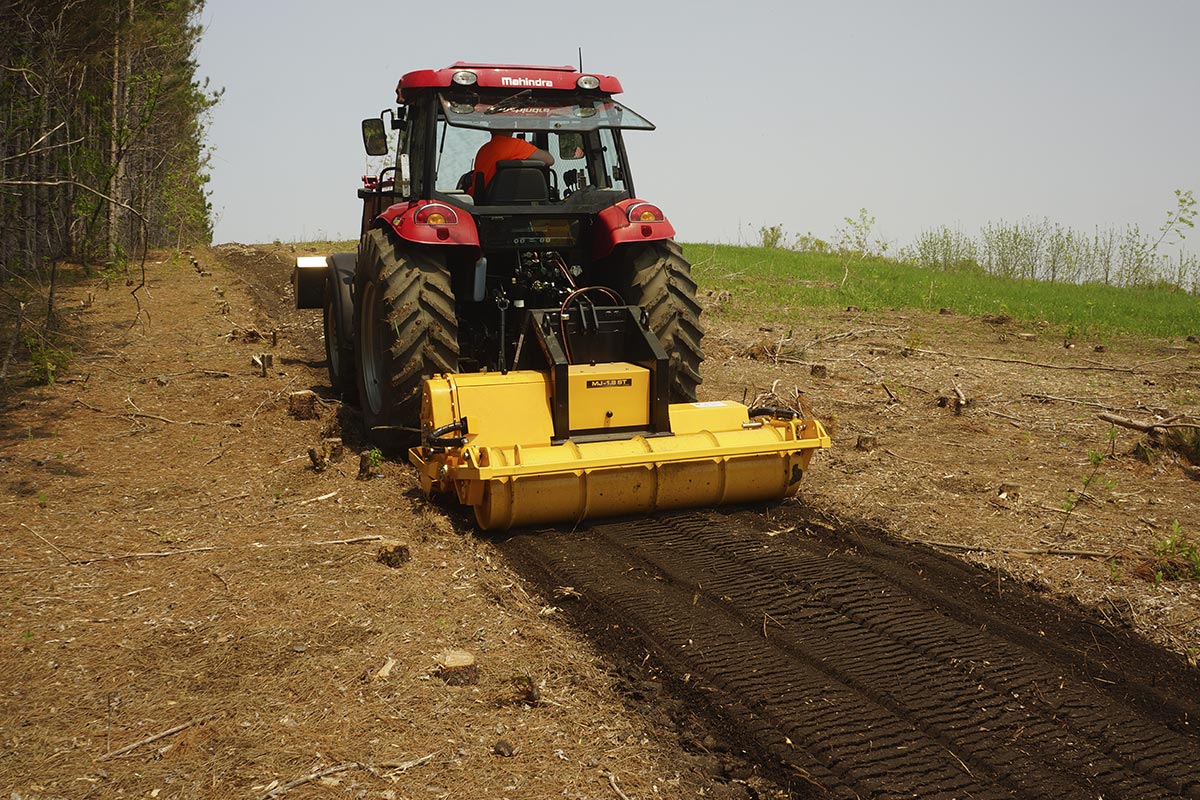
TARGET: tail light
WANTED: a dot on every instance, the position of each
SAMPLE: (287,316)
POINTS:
(436,214)
(645,212)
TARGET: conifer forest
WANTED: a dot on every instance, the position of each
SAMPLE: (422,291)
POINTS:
(102,141)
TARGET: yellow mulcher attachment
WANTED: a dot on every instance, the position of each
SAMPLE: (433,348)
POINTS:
(571,432)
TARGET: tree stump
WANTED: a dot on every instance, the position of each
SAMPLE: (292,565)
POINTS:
(333,448)
(303,404)
(393,555)
(457,668)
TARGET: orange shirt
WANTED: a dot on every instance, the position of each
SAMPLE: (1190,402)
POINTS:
(500,148)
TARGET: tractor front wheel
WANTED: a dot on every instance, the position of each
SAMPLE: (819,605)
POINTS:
(657,277)
(406,330)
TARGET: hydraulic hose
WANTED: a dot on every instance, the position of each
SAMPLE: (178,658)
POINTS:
(771,411)
(437,438)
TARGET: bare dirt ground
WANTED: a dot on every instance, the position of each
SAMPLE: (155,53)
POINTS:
(993,479)
(191,610)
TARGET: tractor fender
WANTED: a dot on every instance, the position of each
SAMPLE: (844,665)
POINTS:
(341,275)
(614,227)
(410,221)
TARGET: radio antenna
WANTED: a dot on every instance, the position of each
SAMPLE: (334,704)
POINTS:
(581,59)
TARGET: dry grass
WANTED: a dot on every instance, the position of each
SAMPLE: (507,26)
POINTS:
(172,560)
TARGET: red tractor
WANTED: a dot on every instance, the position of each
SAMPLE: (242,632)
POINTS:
(447,264)
(525,321)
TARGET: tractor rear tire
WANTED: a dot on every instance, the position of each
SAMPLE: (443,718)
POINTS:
(657,277)
(339,349)
(406,330)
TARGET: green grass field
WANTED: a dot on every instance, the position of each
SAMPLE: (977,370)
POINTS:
(774,283)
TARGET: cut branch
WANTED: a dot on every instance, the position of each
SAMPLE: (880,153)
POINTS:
(909,460)
(144,415)
(1029,551)
(1127,370)
(51,544)
(317,774)
(1147,427)
(135,556)
(612,781)
(355,540)
(164,734)
(1052,398)
(837,337)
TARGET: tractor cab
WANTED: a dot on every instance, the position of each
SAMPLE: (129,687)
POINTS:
(445,119)
(582,133)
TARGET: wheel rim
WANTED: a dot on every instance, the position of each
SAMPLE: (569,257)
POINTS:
(369,347)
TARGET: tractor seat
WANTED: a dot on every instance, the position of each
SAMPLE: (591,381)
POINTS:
(518,183)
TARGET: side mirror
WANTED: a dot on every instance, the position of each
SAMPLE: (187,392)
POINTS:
(570,146)
(374,137)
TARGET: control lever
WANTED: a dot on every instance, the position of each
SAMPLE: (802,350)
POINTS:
(502,304)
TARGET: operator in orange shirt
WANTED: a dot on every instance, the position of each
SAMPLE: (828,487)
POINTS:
(503,146)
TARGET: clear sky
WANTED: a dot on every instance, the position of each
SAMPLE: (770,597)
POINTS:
(798,113)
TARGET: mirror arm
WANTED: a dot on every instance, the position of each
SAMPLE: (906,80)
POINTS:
(397,117)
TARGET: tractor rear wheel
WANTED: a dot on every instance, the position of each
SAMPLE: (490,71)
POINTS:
(339,353)
(657,277)
(406,330)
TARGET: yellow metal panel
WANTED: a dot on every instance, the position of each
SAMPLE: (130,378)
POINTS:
(612,395)
(713,415)
(716,455)
(437,403)
(501,410)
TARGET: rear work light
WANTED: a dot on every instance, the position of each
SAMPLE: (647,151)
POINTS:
(436,214)
(465,78)
(645,212)
(588,82)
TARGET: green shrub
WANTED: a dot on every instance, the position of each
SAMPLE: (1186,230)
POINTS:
(1177,557)
(45,361)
